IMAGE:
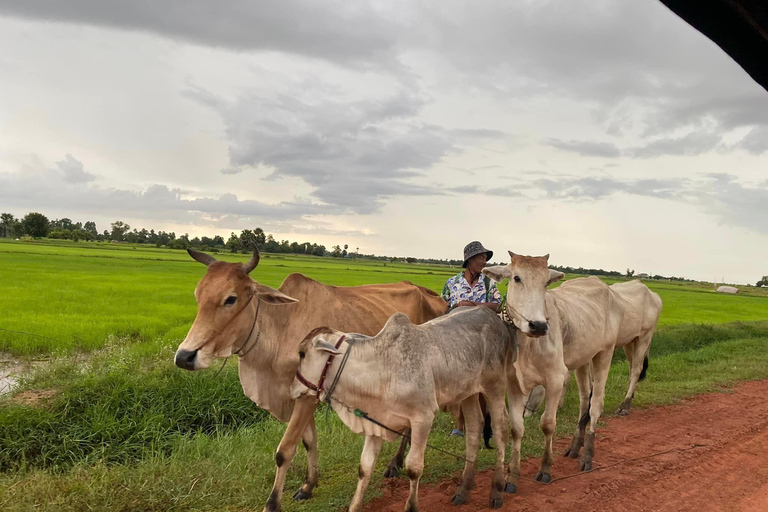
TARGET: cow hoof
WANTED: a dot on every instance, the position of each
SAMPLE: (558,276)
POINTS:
(495,503)
(544,478)
(391,472)
(510,488)
(571,453)
(302,495)
(459,499)
(622,411)
(585,465)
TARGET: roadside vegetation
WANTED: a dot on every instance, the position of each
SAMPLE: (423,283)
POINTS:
(108,423)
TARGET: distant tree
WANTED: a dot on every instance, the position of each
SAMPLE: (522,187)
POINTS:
(344,252)
(763,281)
(336,253)
(248,240)
(119,229)
(630,273)
(35,225)
(91,228)
(261,238)
(233,244)
(6,224)
(410,260)
(218,241)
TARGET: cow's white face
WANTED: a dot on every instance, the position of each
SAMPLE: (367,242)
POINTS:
(314,352)
(227,303)
(529,278)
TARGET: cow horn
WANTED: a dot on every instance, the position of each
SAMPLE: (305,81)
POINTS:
(511,254)
(253,263)
(205,259)
(546,256)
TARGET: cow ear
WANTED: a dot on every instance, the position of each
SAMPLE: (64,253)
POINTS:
(497,273)
(511,254)
(205,259)
(554,276)
(272,296)
(324,346)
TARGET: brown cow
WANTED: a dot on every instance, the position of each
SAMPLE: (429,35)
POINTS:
(264,326)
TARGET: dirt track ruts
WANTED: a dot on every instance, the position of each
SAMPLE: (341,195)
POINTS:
(722,466)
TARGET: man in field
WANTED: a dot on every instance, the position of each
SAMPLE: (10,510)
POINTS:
(471,288)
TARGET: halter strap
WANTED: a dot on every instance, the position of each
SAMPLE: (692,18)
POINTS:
(321,382)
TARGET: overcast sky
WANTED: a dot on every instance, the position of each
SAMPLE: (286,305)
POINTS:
(609,134)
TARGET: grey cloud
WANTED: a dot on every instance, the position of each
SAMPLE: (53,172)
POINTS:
(73,170)
(334,30)
(503,192)
(719,194)
(355,153)
(49,188)
(231,170)
(694,143)
(586,148)
(756,141)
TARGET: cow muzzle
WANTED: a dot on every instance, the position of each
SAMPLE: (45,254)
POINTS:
(537,328)
(185,359)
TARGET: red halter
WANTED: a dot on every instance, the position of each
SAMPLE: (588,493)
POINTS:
(321,382)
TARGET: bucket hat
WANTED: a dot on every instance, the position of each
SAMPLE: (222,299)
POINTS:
(473,249)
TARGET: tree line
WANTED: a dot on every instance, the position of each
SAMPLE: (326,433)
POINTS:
(37,225)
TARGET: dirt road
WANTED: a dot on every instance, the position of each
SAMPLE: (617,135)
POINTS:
(718,462)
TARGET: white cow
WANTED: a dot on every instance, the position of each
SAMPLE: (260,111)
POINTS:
(642,309)
(559,330)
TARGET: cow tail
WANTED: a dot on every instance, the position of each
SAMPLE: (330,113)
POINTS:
(645,369)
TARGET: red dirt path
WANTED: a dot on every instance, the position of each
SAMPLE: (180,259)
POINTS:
(722,465)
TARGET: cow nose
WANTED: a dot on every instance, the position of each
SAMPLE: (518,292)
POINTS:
(185,359)
(538,328)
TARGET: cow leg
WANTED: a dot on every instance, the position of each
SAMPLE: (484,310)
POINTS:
(585,390)
(637,364)
(496,408)
(309,438)
(601,364)
(303,411)
(548,424)
(472,415)
(414,462)
(394,466)
(368,458)
(518,429)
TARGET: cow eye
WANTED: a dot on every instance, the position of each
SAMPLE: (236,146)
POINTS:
(301,354)
(230,300)
(517,279)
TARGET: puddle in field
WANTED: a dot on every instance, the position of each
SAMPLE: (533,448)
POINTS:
(11,370)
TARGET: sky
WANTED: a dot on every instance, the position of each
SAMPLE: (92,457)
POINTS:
(607,134)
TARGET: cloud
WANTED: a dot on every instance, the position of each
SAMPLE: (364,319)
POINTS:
(334,30)
(356,153)
(756,141)
(73,170)
(53,189)
(585,148)
(718,194)
(692,144)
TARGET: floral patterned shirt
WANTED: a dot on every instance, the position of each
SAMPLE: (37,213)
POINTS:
(458,289)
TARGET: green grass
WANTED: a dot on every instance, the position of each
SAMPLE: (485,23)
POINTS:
(127,431)
(77,297)
(233,470)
